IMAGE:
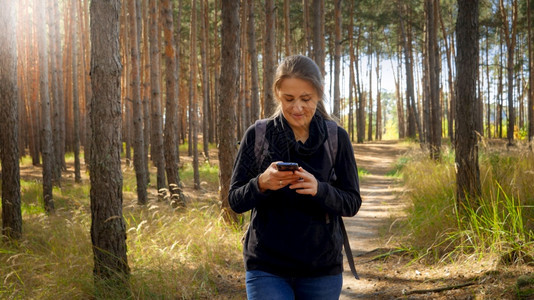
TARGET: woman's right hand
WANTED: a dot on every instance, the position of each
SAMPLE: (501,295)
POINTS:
(272,179)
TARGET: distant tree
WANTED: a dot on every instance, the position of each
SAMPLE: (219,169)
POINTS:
(9,150)
(155,99)
(510,36)
(318,25)
(204,24)
(54,89)
(193,103)
(230,39)
(171,103)
(108,229)
(137,109)
(337,59)
(251,39)
(47,149)
(433,76)
(531,74)
(269,58)
(466,146)
(75,92)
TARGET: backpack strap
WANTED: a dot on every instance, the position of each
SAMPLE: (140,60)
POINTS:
(331,148)
(331,151)
(261,144)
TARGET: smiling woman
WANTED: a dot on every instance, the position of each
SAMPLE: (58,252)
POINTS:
(293,246)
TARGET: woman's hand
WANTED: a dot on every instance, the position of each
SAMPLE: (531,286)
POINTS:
(306,184)
(272,179)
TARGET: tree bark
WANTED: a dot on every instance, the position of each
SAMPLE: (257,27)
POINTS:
(510,35)
(205,78)
(433,72)
(137,109)
(108,229)
(9,152)
(466,146)
(75,92)
(171,103)
(254,90)
(319,34)
(52,21)
(287,28)
(337,59)
(269,60)
(47,150)
(155,100)
(227,98)
(531,75)
(193,103)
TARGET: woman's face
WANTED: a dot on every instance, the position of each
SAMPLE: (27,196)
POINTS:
(299,101)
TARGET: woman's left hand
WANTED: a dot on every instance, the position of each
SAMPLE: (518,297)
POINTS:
(307,185)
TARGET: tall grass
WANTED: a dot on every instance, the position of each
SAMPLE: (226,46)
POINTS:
(501,224)
(186,253)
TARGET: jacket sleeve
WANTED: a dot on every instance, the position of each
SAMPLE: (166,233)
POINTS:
(343,196)
(244,190)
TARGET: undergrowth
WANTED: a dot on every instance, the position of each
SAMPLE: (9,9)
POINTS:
(183,253)
(499,225)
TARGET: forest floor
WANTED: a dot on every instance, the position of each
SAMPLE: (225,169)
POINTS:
(387,272)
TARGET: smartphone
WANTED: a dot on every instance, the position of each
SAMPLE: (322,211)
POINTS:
(287,166)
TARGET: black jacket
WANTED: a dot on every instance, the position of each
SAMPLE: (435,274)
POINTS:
(291,234)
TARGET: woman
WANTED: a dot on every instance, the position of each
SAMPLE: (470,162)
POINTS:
(292,248)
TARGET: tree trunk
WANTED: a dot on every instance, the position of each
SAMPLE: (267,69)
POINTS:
(378,132)
(319,34)
(531,75)
(137,109)
(337,59)
(433,72)
(155,100)
(171,104)
(510,35)
(307,34)
(75,94)
(449,54)
(145,83)
(205,78)
(254,91)
(193,103)
(370,112)
(47,150)
(227,99)
(61,90)
(468,173)
(9,153)
(108,229)
(52,21)
(287,28)
(269,60)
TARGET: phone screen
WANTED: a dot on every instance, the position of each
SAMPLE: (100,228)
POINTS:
(287,166)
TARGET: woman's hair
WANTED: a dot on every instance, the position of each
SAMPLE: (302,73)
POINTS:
(301,67)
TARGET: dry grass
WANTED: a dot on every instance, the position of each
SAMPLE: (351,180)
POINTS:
(185,253)
(503,221)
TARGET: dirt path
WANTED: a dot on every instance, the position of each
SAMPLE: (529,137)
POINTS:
(380,194)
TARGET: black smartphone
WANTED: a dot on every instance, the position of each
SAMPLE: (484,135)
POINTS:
(287,166)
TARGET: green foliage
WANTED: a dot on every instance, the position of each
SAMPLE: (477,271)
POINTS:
(500,224)
(208,172)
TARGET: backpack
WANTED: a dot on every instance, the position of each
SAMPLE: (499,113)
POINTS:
(261,150)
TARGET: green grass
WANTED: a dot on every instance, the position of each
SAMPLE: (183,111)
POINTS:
(501,224)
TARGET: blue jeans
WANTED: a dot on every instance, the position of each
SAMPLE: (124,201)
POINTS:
(263,285)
